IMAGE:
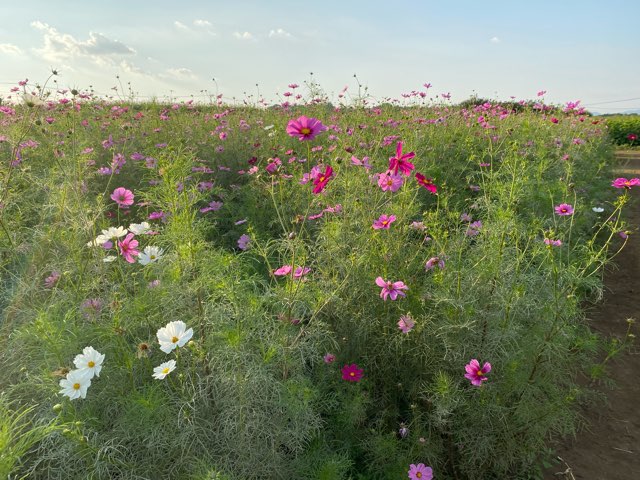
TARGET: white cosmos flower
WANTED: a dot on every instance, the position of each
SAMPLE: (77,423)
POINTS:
(172,335)
(90,360)
(32,99)
(76,384)
(164,369)
(139,228)
(598,209)
(149,255)
(111,233)
(109,258)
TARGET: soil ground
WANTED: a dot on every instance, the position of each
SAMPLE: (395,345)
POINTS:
(608,448)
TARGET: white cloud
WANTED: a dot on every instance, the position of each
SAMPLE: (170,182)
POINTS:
(494,40)
(181,73)
(10,49)
(180,25)
(62,46)
(279,33)
(202,23)
(244,36)
(129,67)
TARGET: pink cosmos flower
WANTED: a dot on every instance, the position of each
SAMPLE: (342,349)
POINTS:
(384,222)
(301,272)
(624,183)
(401,162)
(52,279)
(391,289)
(122,197)
(420,472)
(363,163)
(322,179)
(426,183)
(351,373)
(406,323)
(305,128)
(552,243)
(564,209)
(390,181)
(329,358)
(476,374)
(127,248)
(283,271)
(244,241)
(433,262)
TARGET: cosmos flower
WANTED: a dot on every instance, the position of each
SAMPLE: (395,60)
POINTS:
(304,128)
(420,472)
(564,209)
(244,241)
(89,361)
(426,183)
(172,335)
(149,255)
(164,369)
(476,374)
(76,384)
(391,289)
(433,262)
(406,323)
(625,183)
(127,248)
(401,161)
(384,222)
(322,179)
(122,197)
(351,373)
(139,228)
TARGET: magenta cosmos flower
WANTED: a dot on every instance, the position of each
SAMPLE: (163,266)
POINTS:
(391,289)
(624,183)
(321,180)
(426,183)
(305,128)
(122,197)
(564,209)
(420,472)
(476,374)
(384,222)
(127,248)
(401,162)
(351,373)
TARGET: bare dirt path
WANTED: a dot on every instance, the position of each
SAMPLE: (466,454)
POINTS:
(609,447)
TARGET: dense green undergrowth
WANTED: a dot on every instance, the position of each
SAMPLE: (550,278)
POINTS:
(256,392)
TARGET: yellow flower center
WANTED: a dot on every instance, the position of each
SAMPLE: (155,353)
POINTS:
(305,131)
(152,257)
(165,370)
(384,222)
(174,340)
(419,475)
(91,364)
(479,373)
(353,374)
(76,386)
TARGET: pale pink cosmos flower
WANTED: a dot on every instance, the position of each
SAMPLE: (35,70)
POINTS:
(384,222)
(390,181)
(476,374)
(244,241)
(406,323)
(420,472)
(122,197)
(433,262)
(127,248)
(391,289)
(552,243)
(564,209)
(301,272)
(329,358)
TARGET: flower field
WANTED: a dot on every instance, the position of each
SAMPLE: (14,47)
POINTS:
(304,291)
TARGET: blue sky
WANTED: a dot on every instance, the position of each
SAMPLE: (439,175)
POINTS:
(572,49)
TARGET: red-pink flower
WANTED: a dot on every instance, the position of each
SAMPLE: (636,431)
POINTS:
(564,209)
(390,181)
(127,248)
(384,222)
(351,373)
(321,180)
(391,289)
(305,128)
(426,183)
(476,374)
(624,183)
(122,197)
(401,162)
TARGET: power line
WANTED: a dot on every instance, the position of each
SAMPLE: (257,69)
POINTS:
(612,101)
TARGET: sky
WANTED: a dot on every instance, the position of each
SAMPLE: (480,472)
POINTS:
(574,50)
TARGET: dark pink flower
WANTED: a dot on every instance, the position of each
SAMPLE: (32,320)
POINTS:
(351,373)
(426,183)
(322,179)
(122,197)
(127,248)
(305,128)
(390,181)
(401,162)
(391,289)
(476,374)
